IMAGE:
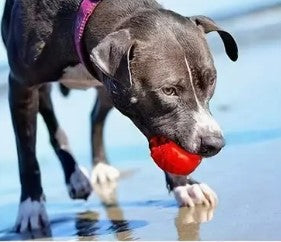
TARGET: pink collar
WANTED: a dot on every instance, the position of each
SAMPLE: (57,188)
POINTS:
(86,9)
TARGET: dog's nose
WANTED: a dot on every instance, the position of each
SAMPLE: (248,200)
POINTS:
(210,145)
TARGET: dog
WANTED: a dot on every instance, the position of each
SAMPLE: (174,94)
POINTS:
(150,63)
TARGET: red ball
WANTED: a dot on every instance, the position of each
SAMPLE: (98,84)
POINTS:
(172,158)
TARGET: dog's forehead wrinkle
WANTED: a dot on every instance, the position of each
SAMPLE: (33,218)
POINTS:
(165,53)
(199,60)
(152,72)
(167,66)
(196,47)
(148,26)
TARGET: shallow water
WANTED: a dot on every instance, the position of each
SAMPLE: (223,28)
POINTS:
(245,175)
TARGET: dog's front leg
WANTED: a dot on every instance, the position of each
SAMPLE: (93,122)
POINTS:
(189,192)
(24,107)
(104,176)
(102,172)
(76,177)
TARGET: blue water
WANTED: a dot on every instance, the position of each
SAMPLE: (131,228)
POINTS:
(216,8)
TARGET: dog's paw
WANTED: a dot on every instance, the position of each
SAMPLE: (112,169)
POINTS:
(190,195)
(79,186)
(104,179)
(32,215)
(103,173)
(106,192)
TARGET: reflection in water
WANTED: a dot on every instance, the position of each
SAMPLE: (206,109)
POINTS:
(45,233)
(88,224)
(189,219)
(120,226)
(107,194)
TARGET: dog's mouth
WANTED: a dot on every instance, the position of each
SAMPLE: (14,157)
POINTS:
(171,157)
(161,141)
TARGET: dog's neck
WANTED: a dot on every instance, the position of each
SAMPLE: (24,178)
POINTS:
(94,20)
(108,17)
(86,9)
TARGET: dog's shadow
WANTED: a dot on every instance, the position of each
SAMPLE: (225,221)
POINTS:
(88,225)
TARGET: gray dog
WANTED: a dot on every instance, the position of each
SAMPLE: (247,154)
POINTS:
(152,64)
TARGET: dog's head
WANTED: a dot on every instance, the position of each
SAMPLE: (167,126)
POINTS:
(159,72)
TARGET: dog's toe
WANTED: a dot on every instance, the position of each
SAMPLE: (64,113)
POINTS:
(104,179)
(182,196)
(209,194)
(190,195)
(32,215)
(103,173)
(79,186)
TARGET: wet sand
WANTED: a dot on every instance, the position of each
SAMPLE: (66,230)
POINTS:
(246,174)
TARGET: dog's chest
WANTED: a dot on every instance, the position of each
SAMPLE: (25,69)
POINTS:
(77,77)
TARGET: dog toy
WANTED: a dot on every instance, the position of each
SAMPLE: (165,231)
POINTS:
(171,158)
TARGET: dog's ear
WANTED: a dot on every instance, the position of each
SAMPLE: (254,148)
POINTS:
(208,25)
(112,57)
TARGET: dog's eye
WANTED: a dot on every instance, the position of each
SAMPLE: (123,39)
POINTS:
(170,91)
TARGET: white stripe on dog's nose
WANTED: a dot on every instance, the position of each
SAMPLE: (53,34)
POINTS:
(191,82)
(204,121)
(202,118)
